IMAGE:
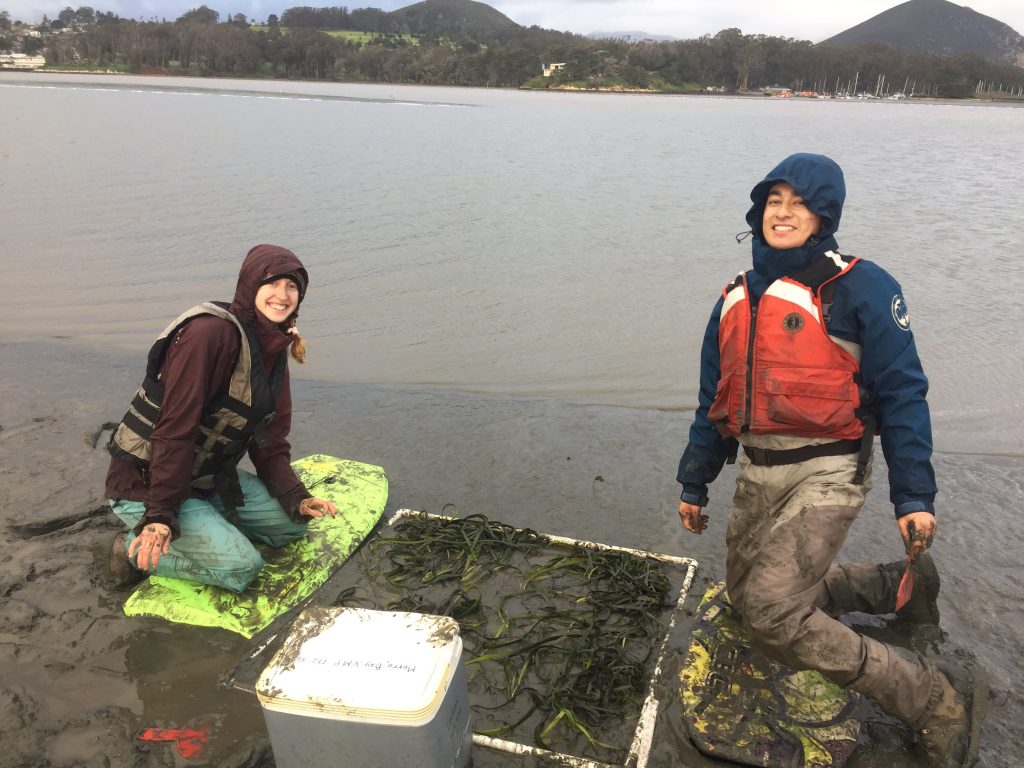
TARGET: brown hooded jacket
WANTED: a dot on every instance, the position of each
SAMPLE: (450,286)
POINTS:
(197,369)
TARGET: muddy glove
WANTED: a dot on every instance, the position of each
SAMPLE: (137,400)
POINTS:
(693,519)
(918,531)
(153,541)
(312,507)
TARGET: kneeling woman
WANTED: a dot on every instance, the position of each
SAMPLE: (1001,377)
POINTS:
(216,388)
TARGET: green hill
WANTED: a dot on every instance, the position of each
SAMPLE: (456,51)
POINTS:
(458,20)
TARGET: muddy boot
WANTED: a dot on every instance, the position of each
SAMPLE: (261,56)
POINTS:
(922,608)
(122,572)
(949,735)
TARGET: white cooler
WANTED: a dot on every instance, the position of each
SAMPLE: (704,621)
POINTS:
(352,687)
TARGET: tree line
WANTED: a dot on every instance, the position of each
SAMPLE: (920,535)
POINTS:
(359,19)
(302,44)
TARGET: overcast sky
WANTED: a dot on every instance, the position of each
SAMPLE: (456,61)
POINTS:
(803,19)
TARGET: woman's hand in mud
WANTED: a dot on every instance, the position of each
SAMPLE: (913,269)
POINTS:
(154,541)
(918,531)
(317,508)
(693,520)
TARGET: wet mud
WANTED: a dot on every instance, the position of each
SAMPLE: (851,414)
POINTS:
(79,680)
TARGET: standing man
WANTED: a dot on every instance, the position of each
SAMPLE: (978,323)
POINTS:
(805,357)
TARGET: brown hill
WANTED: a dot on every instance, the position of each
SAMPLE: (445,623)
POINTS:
(939,27)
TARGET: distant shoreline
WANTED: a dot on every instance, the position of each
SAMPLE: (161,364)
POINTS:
(1007,100)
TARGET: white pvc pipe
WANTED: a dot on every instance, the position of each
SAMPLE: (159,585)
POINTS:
(640,748)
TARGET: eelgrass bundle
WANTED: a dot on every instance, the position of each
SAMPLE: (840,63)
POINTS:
(558,638)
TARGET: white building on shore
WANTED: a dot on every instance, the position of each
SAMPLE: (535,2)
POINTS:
(22,61)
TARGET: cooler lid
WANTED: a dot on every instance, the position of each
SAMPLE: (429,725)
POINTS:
(356,663)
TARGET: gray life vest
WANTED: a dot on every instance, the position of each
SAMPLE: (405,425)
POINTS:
(229,423)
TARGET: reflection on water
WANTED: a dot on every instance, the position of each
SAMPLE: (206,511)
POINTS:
(176,673)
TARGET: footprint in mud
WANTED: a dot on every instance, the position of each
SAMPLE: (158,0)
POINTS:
(26,531)
(101,436)
(27,426)
(14,711)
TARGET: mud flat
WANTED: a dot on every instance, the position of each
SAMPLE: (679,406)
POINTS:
(80,680)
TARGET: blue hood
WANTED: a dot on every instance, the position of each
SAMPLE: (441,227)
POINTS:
(819,181)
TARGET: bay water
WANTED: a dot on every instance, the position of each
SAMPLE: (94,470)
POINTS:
(561,249)
(498,241)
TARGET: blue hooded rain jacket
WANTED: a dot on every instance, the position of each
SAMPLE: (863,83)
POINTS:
(867,308)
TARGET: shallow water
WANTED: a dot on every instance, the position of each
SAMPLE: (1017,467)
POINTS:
(568,245)
(507,295)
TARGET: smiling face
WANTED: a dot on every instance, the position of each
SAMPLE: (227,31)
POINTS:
(277,300)
(787,221)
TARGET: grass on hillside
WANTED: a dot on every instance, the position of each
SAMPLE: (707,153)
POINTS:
(352,35)
(655,84)
(99,68)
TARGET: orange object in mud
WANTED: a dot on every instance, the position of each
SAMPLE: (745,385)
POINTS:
(189,741)
(906,585)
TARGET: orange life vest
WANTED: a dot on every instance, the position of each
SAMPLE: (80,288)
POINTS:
(780,372)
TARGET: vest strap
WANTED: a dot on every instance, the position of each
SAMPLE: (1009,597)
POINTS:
(229,488)
(137,425)
(763,457)
(260,434)
(866,446)
(820,276)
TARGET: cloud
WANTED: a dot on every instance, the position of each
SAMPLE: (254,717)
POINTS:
(802,19)
(680,19)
